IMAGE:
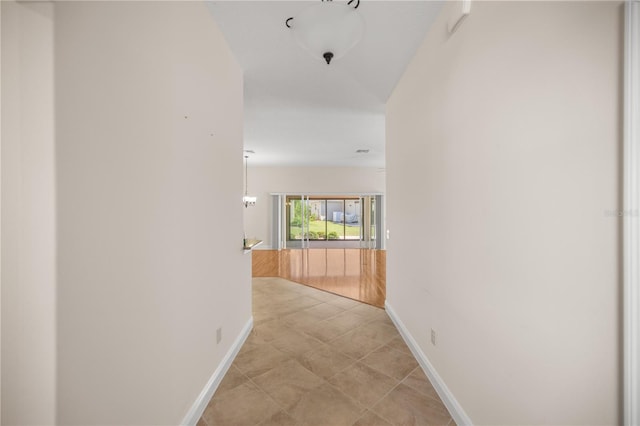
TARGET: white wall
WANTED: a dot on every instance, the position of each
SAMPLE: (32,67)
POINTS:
(317,180)
(149,170)
(28,215)
(509,133)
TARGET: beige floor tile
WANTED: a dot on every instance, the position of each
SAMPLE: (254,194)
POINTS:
(272,330)
(321,295)
(406,406)
(303,302)
(364,309)
(398,344)
(284,287)
(299,320)
(262,317)
(259,360)
(393,363)
(280,375)
(324,406)
(385,319)
(323,330)
(309,291)
(364,384)
(281,309)
(288,382)
(280,419)
(371,419)
(323,311)
(343,302)
(346,321)
(277,295)
(260,303)
(284,283)
(265,301)
(296,344)
(269,307)
(231,380)
(251,343)
(355,344)
(379,331)
(325,361)
(300,288)
(369,311)
(419,381)
(242,406)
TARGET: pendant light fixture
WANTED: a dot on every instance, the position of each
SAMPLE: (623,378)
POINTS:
(328,29)
(247,200)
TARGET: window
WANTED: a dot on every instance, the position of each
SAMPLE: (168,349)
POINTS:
(324,218)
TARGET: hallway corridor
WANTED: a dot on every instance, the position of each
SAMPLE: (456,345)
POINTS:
(314,358)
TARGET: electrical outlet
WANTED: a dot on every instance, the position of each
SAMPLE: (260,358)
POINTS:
(433,337)
(218,335)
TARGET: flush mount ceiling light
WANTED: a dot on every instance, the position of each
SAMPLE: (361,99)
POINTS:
(328,29)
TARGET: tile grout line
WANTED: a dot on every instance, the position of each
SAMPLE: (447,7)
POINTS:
(272,399)
(366,321)
(399,382)
(431,384)
(381,398)
(324,381)
(364,318)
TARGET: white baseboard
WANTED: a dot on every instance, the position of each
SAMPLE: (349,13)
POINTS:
(198,407)
(452,404)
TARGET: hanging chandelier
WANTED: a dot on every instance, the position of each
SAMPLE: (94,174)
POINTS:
(247,200)
(328,29)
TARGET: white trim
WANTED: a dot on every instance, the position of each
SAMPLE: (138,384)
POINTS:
(452,404)
(631,260)
(198,407)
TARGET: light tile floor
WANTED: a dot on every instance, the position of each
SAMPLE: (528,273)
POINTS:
(314,358)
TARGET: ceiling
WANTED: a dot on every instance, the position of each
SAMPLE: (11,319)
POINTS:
(301,111)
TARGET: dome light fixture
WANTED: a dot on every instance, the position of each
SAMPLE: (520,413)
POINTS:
(328,29)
